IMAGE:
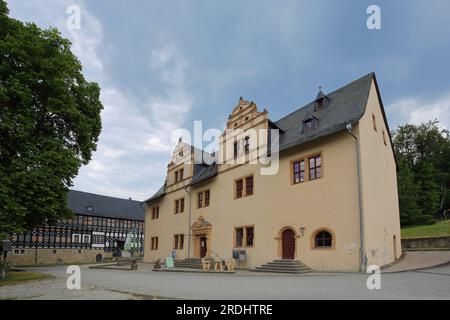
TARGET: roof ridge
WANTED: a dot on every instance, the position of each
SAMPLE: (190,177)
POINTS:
(101,195)
(371,74)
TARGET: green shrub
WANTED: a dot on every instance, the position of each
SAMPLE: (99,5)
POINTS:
(427,220)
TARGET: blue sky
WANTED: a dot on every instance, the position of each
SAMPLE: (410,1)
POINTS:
(164,64)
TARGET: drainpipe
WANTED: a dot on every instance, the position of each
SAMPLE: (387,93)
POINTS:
(189,226)
(362,250)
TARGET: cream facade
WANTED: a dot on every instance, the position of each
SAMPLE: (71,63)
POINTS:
(332,204)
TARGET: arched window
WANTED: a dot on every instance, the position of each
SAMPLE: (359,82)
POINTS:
(323,239)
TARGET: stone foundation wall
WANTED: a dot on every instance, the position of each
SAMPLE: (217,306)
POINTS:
(433,242)
(27,256)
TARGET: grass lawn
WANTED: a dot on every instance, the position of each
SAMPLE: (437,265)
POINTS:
(17,277)
(439,229)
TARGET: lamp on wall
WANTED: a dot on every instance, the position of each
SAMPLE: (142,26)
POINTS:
(302,231)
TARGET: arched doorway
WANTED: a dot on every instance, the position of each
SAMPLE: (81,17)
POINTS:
(395,247)
(98,258)
(288,244)
(203,247)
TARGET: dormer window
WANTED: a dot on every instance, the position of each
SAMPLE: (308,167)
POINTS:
(90,208)
(321,100)
(309,125)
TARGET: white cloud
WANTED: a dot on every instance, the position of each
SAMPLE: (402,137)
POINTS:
(136,139)
(53,13)
(415,110)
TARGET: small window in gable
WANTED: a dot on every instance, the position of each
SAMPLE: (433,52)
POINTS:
(247,144)
(309,125)
(374,122)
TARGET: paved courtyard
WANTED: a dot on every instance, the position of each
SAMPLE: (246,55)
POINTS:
(433,283)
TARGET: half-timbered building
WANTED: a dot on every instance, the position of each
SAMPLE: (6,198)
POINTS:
(98,229)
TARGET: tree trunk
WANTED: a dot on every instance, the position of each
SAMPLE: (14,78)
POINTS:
(443,192)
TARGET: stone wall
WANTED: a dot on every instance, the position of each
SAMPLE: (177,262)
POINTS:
(27,256)
(432,242)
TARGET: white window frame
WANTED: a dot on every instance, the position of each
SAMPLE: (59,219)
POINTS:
(73,238)
(88,237)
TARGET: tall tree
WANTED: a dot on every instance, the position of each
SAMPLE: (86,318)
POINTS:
(408,192)
(49,123)
(425,149)
(428,197)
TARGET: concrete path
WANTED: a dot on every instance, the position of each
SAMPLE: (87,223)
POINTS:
(417,260)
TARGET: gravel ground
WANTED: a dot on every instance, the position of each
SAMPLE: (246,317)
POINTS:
(55,289)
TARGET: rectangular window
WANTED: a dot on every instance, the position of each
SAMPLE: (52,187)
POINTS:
(239,237)
(178,241)
(98,239)
(299,171)
(86,238)
(76,238)
(179,206)
(239,188)
(249,231)
(154,243)
(179,175)
(207,195)
(200,200)
(315,168)
(374,122)
(203,199)
(249,186)
(155,212)
(236,149)
(181,242)
(247,144)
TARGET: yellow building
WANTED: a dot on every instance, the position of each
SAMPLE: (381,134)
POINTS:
(332,205)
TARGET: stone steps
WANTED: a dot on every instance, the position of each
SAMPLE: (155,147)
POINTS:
(193,263)
(284,266)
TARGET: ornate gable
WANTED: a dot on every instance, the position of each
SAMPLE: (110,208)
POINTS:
(242,114)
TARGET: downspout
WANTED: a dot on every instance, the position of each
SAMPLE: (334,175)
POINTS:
(189,226)
(362,250)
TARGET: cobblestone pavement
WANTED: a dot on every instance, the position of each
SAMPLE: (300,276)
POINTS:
(116,284)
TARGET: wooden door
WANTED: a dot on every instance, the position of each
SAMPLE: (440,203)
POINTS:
(203,247)
(288,239)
